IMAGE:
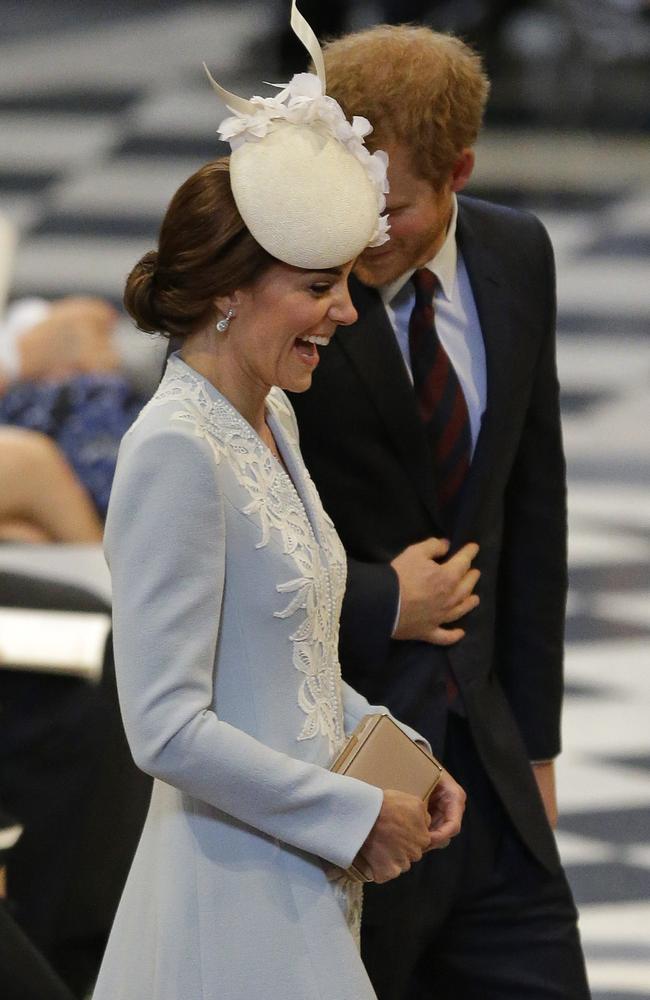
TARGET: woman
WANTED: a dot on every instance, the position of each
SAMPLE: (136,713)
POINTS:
(227,581)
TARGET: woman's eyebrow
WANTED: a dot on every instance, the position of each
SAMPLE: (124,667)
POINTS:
(329,270)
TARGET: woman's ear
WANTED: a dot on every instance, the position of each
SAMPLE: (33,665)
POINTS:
(225,304)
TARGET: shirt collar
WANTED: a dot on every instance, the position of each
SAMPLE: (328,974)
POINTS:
(443,265)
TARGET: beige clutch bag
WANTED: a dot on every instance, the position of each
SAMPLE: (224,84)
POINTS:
(380,753)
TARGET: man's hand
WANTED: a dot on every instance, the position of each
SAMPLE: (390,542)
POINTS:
(545,778)
(446,808)
(434,593)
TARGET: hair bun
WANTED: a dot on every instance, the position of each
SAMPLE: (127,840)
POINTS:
(149,262)
(140,294)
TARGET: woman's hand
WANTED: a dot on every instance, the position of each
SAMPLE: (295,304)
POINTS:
(446,808)
(399,837)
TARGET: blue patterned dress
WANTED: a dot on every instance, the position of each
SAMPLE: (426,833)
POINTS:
(86,415)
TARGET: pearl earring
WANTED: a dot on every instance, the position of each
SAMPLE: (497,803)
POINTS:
(224,323)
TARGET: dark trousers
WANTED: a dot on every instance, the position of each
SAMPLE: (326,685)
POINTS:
(479,920)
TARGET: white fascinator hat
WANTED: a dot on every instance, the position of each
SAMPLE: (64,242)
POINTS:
(309,191)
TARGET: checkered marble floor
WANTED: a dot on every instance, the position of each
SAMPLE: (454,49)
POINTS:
(100,122)
(601,236)
(604,773)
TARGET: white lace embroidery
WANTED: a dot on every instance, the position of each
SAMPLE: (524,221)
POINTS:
(349,896)
(318,588)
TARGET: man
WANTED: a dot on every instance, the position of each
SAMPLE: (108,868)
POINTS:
(432,427)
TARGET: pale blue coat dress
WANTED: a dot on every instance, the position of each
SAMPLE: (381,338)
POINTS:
(228,578)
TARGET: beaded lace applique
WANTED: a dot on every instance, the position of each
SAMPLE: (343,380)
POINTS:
(318,587)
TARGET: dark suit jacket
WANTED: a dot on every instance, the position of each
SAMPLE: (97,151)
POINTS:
(365,447)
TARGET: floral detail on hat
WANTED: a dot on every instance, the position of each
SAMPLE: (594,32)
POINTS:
(303,102)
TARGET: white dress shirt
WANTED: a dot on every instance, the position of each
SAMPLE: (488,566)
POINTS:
(456,318)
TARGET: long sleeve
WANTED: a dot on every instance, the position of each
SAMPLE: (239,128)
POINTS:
(166,545)
(533,569)
(368,616)
(356,706)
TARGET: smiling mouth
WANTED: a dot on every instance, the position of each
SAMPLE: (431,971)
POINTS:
(308,351)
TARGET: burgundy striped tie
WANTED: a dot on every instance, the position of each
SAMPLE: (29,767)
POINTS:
(440,398)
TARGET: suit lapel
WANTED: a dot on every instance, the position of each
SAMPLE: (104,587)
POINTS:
(493,305)
(371,348)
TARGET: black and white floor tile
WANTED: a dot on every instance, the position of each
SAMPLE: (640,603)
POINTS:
(603,265)
(100,122)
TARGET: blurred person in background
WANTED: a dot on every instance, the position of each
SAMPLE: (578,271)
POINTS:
(61,378)
(65,769)
(431,424)
(41,340)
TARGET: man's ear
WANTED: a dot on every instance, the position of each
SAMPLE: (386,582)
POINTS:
(462,170)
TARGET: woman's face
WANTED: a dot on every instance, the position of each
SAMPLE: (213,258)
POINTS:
(284,319)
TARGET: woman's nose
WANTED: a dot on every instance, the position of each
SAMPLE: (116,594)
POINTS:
(343,312)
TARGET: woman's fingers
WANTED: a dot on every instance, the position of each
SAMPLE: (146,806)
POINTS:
(446,808)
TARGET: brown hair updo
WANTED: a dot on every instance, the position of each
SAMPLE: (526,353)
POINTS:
(204,251)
